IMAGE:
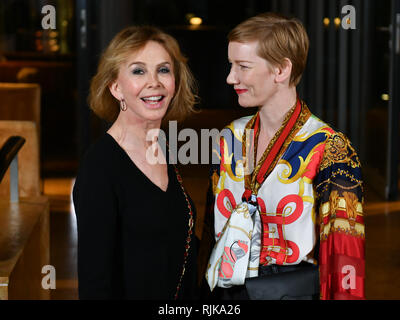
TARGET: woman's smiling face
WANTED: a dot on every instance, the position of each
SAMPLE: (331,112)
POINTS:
(251,76)
(146,82)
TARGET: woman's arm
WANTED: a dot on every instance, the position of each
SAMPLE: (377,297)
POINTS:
(96,212)
(341,223)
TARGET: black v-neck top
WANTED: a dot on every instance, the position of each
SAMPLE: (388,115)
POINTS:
(131,234)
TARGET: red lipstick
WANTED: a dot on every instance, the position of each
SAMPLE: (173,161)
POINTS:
(240,91)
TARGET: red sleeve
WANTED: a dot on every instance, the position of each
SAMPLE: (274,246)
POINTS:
(341,223)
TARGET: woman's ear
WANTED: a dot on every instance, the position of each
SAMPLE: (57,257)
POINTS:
(283,71)
(115,90)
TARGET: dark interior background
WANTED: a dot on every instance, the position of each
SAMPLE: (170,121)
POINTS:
(349,75)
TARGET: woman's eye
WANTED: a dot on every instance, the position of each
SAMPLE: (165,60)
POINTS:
(243,67)
(164,70)
(138,71)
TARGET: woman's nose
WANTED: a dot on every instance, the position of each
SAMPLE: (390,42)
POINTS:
(231,78)
(154,81)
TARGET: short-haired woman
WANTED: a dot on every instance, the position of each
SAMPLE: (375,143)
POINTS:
(135,221)
(287,203)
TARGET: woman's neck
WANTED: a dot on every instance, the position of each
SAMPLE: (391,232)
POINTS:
(273,112)
(132,133)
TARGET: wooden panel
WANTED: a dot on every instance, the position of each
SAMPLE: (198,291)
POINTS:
(28,158)
(20,101)
(24,248)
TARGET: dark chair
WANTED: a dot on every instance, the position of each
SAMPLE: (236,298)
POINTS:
(8,158)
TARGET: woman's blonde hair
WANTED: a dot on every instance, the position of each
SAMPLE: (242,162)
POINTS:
(126,42)
(278,38)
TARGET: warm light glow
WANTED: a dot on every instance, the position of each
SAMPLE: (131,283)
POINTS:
(326,22)
(54,48)
(337,22)
(385,97)
(195,21)
(188,16)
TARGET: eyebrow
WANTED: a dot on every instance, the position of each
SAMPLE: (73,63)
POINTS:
(244,61)
(143,64)
(239,61)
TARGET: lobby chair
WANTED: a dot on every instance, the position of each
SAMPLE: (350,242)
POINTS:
(24,215)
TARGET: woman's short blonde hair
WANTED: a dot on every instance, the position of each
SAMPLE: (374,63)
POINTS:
(278,38)
(126,42)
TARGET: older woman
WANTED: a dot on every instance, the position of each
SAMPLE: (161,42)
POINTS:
(287,209)
(135,221)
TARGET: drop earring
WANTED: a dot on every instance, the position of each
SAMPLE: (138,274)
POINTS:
(123,105)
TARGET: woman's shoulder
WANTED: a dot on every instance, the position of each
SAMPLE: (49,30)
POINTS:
(100,153)
(316,126)
(338,147)
(95,167)
(330,131)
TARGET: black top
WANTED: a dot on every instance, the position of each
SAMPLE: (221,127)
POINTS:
(131,234)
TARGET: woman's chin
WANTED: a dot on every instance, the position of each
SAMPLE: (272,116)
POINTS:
(145,114)
(156,115)
(246,104)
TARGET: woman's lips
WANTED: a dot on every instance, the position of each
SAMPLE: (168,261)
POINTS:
(154,102)
(240,91)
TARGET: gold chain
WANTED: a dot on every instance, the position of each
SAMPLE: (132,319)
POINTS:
(190,232)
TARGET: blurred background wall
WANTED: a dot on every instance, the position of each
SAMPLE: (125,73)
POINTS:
(351,80)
